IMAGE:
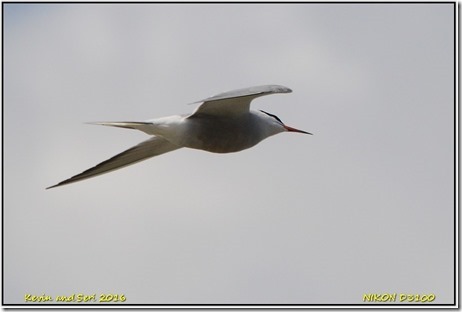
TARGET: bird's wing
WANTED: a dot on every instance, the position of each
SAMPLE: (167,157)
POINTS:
(146,149)
(236,102)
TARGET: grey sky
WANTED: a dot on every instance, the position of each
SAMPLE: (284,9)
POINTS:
(365,205)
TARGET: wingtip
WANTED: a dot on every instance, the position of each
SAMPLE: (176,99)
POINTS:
(65,182)
(53,186)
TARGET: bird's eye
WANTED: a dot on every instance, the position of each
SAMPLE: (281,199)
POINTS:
(274,116)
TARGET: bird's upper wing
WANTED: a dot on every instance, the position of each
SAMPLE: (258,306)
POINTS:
(146,149)
(237,101)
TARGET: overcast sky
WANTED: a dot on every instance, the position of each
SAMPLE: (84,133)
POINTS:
(365,205)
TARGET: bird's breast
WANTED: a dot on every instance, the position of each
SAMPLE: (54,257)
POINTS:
(221,134)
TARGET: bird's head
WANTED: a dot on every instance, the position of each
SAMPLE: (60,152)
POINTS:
(277,125)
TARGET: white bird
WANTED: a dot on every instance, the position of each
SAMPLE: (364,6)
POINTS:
(222,123)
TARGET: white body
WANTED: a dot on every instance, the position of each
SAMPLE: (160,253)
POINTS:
(217,134)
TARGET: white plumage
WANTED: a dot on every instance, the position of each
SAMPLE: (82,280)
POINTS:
(222,123)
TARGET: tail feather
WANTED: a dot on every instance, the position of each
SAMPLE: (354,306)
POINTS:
(137,125)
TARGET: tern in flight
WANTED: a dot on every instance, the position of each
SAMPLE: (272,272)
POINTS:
(222,123)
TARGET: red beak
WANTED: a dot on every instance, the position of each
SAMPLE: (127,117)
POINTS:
(290,129)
